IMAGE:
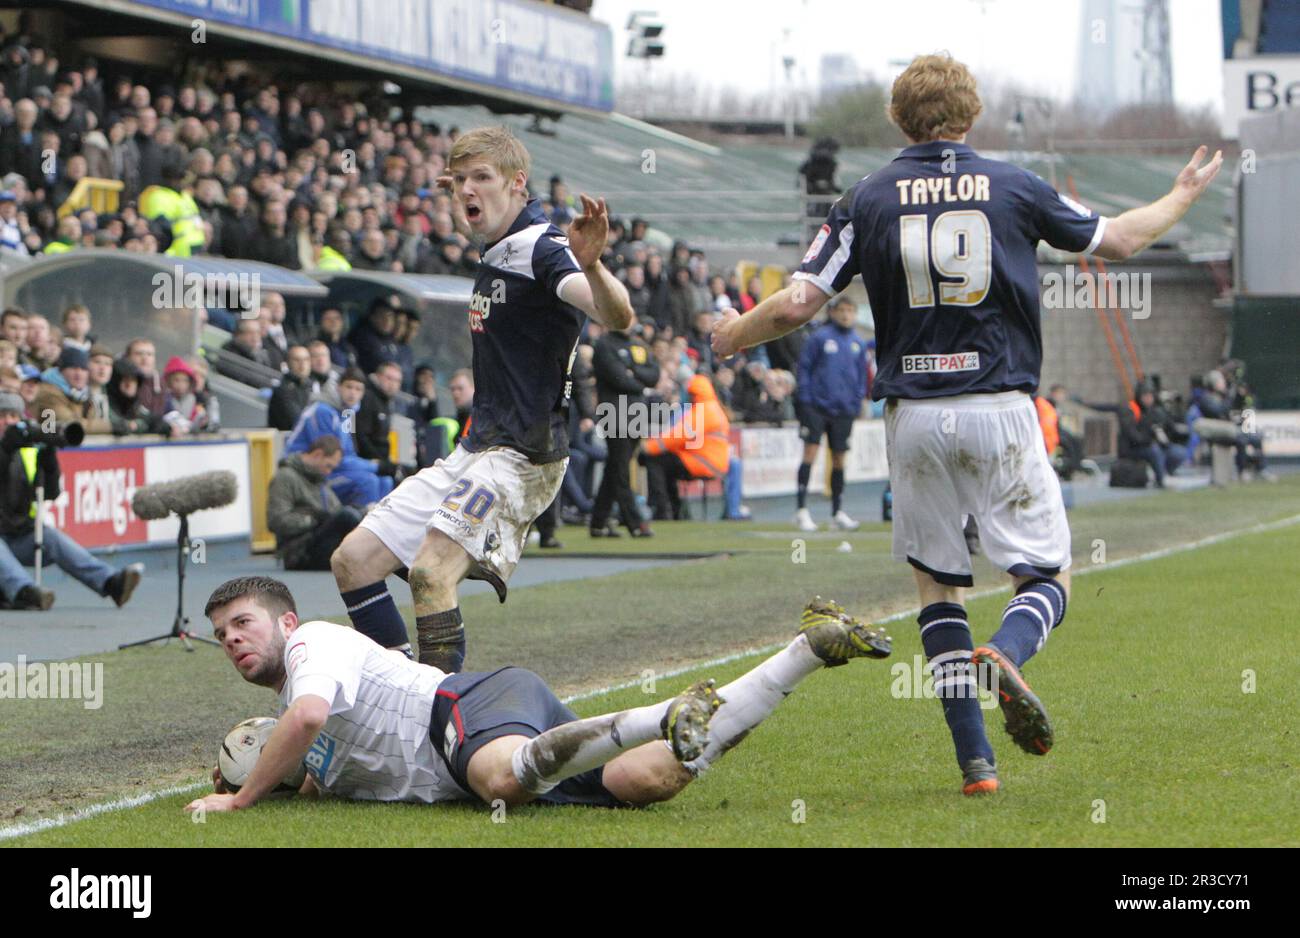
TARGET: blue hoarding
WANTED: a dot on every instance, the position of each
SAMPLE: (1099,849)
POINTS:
(517,46)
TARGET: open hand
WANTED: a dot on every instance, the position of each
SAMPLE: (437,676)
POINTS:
(589,232)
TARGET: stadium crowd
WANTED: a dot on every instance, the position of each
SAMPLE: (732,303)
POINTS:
(308,179)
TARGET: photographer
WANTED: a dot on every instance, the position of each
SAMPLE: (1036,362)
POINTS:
(27,456)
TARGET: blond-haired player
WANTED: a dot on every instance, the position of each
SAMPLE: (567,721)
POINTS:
(468,515)
(944,240)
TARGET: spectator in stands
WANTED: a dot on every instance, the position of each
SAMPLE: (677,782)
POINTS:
(657,286)
(324,376)
(20,143)
(681,301)
(12,228)
(294,393)
(1069,453)
(239,223)
(425,406)
(152,394)
(696,446)
(27,390)
(13,325)
(247,344)
(303,512)
(637,292)
(64,393)
(461,387)
(275,341)
(18,526)
(372,338)
(38,340)
(356,481)
(185,412)
(101,375)
(374,416)
(76,328)
(331,333)
(126,414)
(8,354)
(698,339)
(404,334)
(273,244)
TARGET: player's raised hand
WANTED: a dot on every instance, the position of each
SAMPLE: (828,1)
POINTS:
(1195,178)
(589,231)
(458,219)
(723,334)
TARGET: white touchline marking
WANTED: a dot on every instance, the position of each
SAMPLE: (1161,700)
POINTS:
(94,810)
(63,820)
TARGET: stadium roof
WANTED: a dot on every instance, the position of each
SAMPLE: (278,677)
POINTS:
(269,277)
(746,193)
(424,287)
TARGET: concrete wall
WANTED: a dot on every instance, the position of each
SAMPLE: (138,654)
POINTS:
(1184,334)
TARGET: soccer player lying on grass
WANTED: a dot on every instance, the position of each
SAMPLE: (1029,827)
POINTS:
(372,725)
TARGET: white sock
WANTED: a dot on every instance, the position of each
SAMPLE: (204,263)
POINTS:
(751,698)
(573,748)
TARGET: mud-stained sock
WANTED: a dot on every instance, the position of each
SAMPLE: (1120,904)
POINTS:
(374,615)
(750,699)
(573,748)
(442,640)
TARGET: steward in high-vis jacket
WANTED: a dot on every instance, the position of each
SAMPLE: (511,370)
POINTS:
(697,446)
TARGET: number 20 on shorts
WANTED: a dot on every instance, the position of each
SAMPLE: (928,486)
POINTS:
(476,506)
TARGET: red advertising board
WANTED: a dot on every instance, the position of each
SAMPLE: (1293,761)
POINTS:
(94,508)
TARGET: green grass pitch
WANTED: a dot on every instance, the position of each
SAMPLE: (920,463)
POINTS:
(1169,684)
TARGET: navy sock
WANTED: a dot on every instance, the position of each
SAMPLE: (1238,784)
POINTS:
(374,614)
(837,490)
(1037,608)
(442,640)
(805,470)
(946,638)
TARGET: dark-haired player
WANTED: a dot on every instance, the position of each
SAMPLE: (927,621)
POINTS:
(371,724)
(468,515)
(944,240)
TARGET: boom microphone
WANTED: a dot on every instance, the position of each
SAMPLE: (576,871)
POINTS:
(185,496)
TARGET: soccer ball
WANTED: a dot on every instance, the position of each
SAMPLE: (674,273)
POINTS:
(239,752)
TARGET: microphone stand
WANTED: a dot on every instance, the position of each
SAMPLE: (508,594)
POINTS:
(180,624)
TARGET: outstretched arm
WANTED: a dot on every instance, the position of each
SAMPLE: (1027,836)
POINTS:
(283,752)
(598,293)
(782,312)
(1137,228)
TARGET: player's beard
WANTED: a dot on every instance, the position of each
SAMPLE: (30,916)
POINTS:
(270,668)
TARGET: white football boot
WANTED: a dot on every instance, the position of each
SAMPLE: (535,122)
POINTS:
(842,522)
(803,520)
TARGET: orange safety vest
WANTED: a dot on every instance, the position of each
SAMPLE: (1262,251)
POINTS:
(701,439)
(1049,422)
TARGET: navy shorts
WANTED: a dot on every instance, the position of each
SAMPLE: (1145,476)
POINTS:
(474,708)
(814,424)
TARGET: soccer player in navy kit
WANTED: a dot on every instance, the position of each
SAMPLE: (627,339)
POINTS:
(468,515)
(945,241)
(832,383)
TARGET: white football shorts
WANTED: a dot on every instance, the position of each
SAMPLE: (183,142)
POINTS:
(483,501)
(980,455)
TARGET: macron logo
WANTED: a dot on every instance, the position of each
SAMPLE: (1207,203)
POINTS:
(103,892)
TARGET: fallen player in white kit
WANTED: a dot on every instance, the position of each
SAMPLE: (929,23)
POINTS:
(372,725)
